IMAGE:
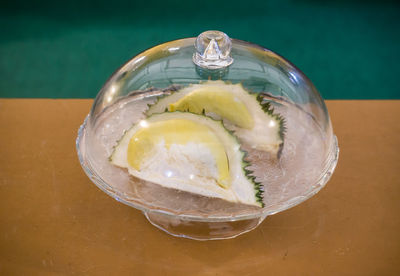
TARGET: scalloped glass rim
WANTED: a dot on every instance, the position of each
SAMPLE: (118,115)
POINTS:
(329,168)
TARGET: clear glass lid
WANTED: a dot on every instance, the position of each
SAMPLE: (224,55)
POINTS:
(209,128)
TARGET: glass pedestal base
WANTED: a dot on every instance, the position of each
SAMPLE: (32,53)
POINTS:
(202,230)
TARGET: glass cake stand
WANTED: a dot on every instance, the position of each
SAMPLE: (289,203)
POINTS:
(307,157)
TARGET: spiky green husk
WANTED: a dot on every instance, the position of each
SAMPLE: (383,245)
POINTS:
(267,108)
(258,187)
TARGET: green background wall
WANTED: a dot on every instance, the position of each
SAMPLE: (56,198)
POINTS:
(67,49)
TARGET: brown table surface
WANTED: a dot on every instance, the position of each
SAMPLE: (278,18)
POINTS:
(54,221)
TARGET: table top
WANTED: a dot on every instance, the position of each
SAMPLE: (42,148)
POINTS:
(53,220)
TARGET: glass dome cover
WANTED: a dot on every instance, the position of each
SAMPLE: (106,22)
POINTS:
(208,136)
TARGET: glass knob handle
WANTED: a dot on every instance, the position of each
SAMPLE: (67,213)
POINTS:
(213,50)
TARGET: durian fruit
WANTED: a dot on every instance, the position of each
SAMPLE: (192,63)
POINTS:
(252,121)
(188,152)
